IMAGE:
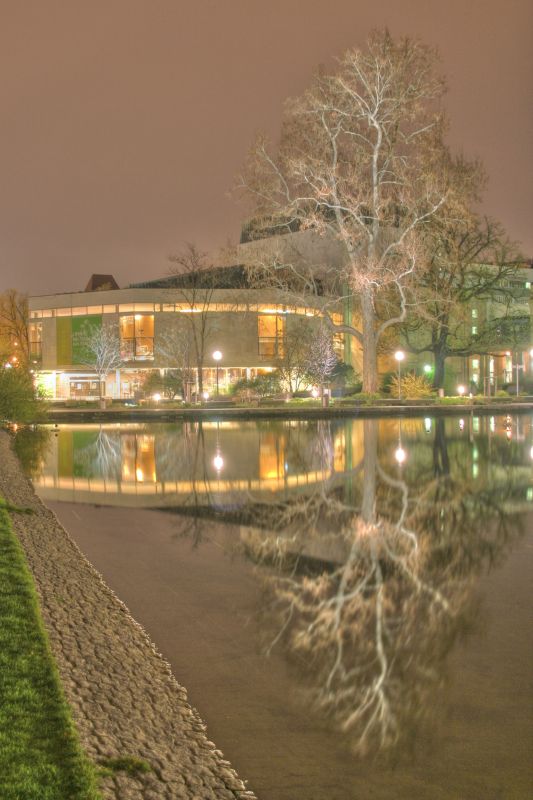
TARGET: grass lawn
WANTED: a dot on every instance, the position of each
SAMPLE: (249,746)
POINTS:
(40,755)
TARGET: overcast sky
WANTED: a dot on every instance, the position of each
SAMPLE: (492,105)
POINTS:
(124,122)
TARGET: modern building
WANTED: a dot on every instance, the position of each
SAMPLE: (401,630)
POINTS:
(245,329)
(236,331)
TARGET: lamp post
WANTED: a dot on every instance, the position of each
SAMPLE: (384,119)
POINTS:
(217,355)
(399,355)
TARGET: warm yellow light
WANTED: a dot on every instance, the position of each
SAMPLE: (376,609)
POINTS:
(400,455)
(218,462)
(399,355)
(217,355)
(461,390)
(156,397)
(139,474)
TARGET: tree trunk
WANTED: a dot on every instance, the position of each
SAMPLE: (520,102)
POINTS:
(440,362)
(370,359)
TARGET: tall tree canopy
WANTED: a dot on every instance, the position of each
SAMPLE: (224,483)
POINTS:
(361,159)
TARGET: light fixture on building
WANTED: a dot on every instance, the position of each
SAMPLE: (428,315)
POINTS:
(218,462)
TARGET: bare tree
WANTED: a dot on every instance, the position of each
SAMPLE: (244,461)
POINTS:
(174,349)
(361,159)
(100,348)
(14,325)
(195,286)
(470,262)
(322,358)
(294,359)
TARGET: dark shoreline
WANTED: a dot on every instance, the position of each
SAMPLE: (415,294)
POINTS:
(65,415)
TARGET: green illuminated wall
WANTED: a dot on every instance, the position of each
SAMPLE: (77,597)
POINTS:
(70,333)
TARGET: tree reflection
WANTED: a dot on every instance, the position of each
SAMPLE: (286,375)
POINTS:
(366,599)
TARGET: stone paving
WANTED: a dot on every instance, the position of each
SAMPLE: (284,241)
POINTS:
(124,697)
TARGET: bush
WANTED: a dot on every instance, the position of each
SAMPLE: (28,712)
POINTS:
(503,394)
(261,386)
(386,382)
(452,401)
(20,401)
(411,386)
(368,398)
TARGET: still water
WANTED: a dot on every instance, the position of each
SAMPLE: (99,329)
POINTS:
(347,602)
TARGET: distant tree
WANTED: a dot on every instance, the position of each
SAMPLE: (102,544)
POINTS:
(261,386)
(195,290)
(293,362)
(100,348)
(174,349)
(361,160)
(14,325)
(321,359)
(470,260)
(169,384)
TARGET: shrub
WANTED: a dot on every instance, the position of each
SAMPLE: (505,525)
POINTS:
(368,398)
(411,386)
(261,386)
(387,380)
(20,400)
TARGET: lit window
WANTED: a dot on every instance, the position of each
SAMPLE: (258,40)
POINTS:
(474,330)
(474,313)
(270,330)
(137,337)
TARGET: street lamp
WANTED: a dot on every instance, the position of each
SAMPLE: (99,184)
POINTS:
(399,355)
(461,390)
(217,355)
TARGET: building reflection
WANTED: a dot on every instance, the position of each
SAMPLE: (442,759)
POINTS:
(163,464)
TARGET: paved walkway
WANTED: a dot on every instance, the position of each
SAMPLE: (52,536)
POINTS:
(124,697)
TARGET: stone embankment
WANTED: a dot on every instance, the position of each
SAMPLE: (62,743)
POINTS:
(124,697)
(414,409)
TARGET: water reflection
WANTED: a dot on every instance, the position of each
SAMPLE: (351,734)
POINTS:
(227,464)
(366,538)
(368,628)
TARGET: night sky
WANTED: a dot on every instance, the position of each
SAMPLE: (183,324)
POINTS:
(124,122)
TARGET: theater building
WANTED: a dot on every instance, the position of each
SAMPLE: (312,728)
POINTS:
(245,327)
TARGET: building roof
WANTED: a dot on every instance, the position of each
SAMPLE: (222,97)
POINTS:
(98,282)
(234,277)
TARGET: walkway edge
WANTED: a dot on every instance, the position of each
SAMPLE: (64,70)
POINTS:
(123,694)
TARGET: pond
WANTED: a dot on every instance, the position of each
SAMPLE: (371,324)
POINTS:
(347,601)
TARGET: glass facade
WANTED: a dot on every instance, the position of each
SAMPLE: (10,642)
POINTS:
(270,332)
(137,337)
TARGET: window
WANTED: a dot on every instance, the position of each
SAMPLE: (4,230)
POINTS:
(35,331)
(474,313)
(270,331)
(474,330)
(137,337)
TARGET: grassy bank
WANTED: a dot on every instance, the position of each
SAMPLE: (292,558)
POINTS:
(40,755)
